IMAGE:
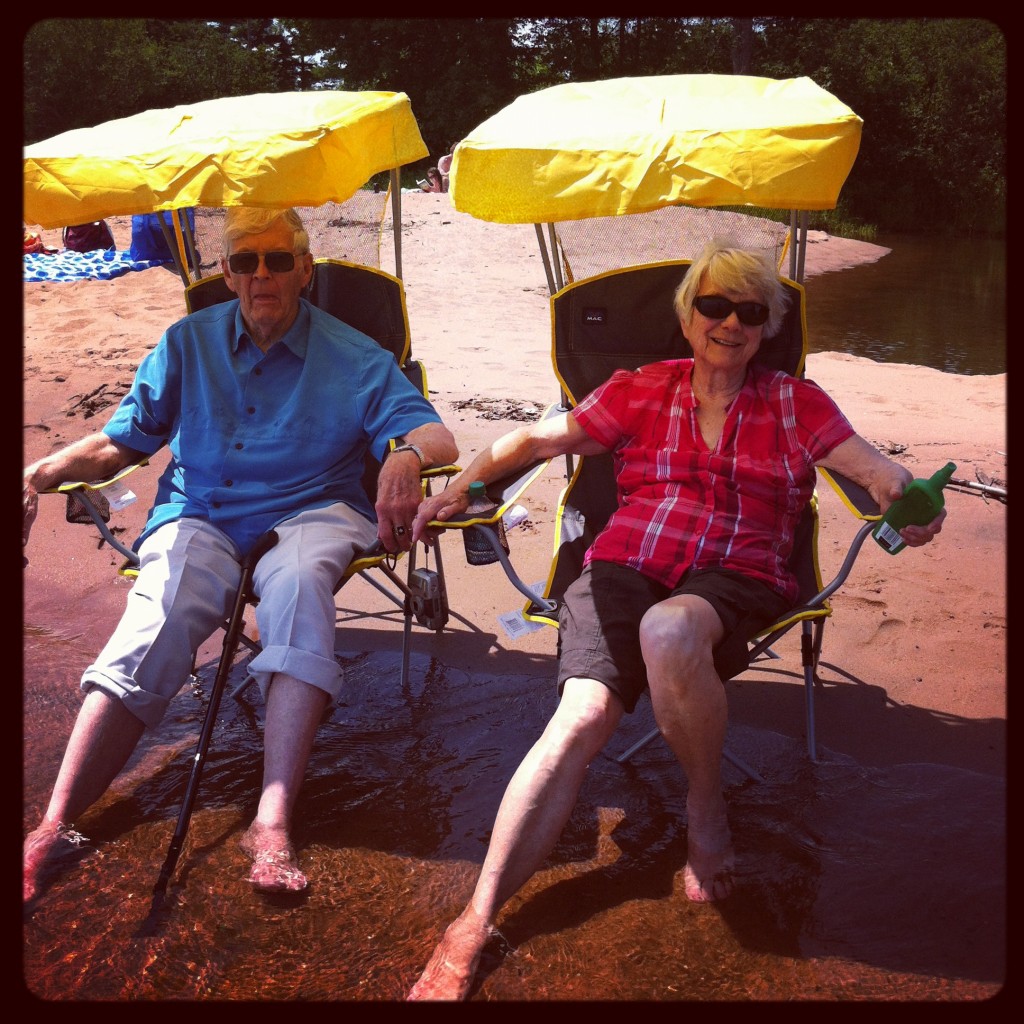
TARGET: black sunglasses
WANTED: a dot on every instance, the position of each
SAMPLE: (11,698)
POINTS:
(715,307)
(247,262)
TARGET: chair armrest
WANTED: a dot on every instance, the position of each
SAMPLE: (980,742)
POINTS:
(433,471)
(507,491)
(853,496)
(95,485)
(88,494)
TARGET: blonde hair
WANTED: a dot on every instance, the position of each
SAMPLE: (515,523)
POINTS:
(727,267)
(252,220)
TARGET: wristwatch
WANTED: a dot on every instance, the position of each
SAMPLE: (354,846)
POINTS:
(409,448)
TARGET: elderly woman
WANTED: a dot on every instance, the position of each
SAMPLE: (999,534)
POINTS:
(715,459)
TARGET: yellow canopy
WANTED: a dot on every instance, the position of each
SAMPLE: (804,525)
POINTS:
(626,145)
(269,149)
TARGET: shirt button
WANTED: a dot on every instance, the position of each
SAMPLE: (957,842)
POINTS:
(239,446)
(259,372)
(228,483)
(216,504)
(251,409)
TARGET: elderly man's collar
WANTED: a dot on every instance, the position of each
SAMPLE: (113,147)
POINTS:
(297,337)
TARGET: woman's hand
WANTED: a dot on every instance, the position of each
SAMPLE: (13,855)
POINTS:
(437,508)
(892,491)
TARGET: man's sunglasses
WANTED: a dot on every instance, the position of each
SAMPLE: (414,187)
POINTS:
(247,262)
(715,307)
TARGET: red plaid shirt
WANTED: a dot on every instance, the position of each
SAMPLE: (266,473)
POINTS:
(683,506)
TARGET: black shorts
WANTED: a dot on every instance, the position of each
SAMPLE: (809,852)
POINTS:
(599,623)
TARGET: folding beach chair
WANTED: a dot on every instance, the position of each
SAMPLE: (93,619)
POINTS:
(658,165)
(372,301)
(624,319)
(333,155)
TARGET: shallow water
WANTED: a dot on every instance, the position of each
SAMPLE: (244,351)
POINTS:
(936,301)
(853,882)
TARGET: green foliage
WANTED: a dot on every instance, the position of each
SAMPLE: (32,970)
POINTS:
(932,95)
(834,222)
(456,71)
(931,91)
(80,72)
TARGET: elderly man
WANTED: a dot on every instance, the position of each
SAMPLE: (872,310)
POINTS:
(715,458)
(268,406)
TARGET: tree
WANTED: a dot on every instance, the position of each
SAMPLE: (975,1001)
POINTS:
(742,45)
(106,68)
(932,94)
(931,91)
(455,71)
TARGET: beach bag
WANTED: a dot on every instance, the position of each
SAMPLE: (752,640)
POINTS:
(86,237)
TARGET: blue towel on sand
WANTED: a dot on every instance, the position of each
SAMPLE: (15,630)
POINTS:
(99,264)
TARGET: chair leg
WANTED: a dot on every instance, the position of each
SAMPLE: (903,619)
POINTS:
(736,762)
(407,620)
(807,654)
(819,634)
(230,646)
(441,580)
(726,753)
(639,745)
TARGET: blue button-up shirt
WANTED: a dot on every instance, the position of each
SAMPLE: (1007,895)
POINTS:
(256,438)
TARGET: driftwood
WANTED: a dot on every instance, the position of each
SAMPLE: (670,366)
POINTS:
(988,490)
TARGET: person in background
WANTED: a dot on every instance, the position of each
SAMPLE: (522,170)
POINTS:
(268,406)
(433,182)
(715,459)
(444,165)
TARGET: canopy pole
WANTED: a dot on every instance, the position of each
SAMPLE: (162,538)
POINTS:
(794,244)
(544,256)
(173,241)
(798,247)
(804,217)
(396,219)
(556,262)
(190,241)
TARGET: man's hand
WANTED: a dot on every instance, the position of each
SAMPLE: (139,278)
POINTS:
(399,492)
(30,509)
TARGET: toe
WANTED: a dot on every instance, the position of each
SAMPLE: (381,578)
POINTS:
(277,871)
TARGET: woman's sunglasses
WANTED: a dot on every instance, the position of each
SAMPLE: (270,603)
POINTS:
(715,307)
(247,262)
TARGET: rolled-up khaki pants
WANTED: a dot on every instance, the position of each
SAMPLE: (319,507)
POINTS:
(185,589)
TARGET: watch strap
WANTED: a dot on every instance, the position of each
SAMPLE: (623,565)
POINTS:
(411,448)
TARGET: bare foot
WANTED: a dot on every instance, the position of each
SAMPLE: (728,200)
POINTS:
(36,851)
(275,866)
(450,971)
(710,861)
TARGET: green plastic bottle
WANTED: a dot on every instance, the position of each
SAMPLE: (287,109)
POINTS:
(922,501)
